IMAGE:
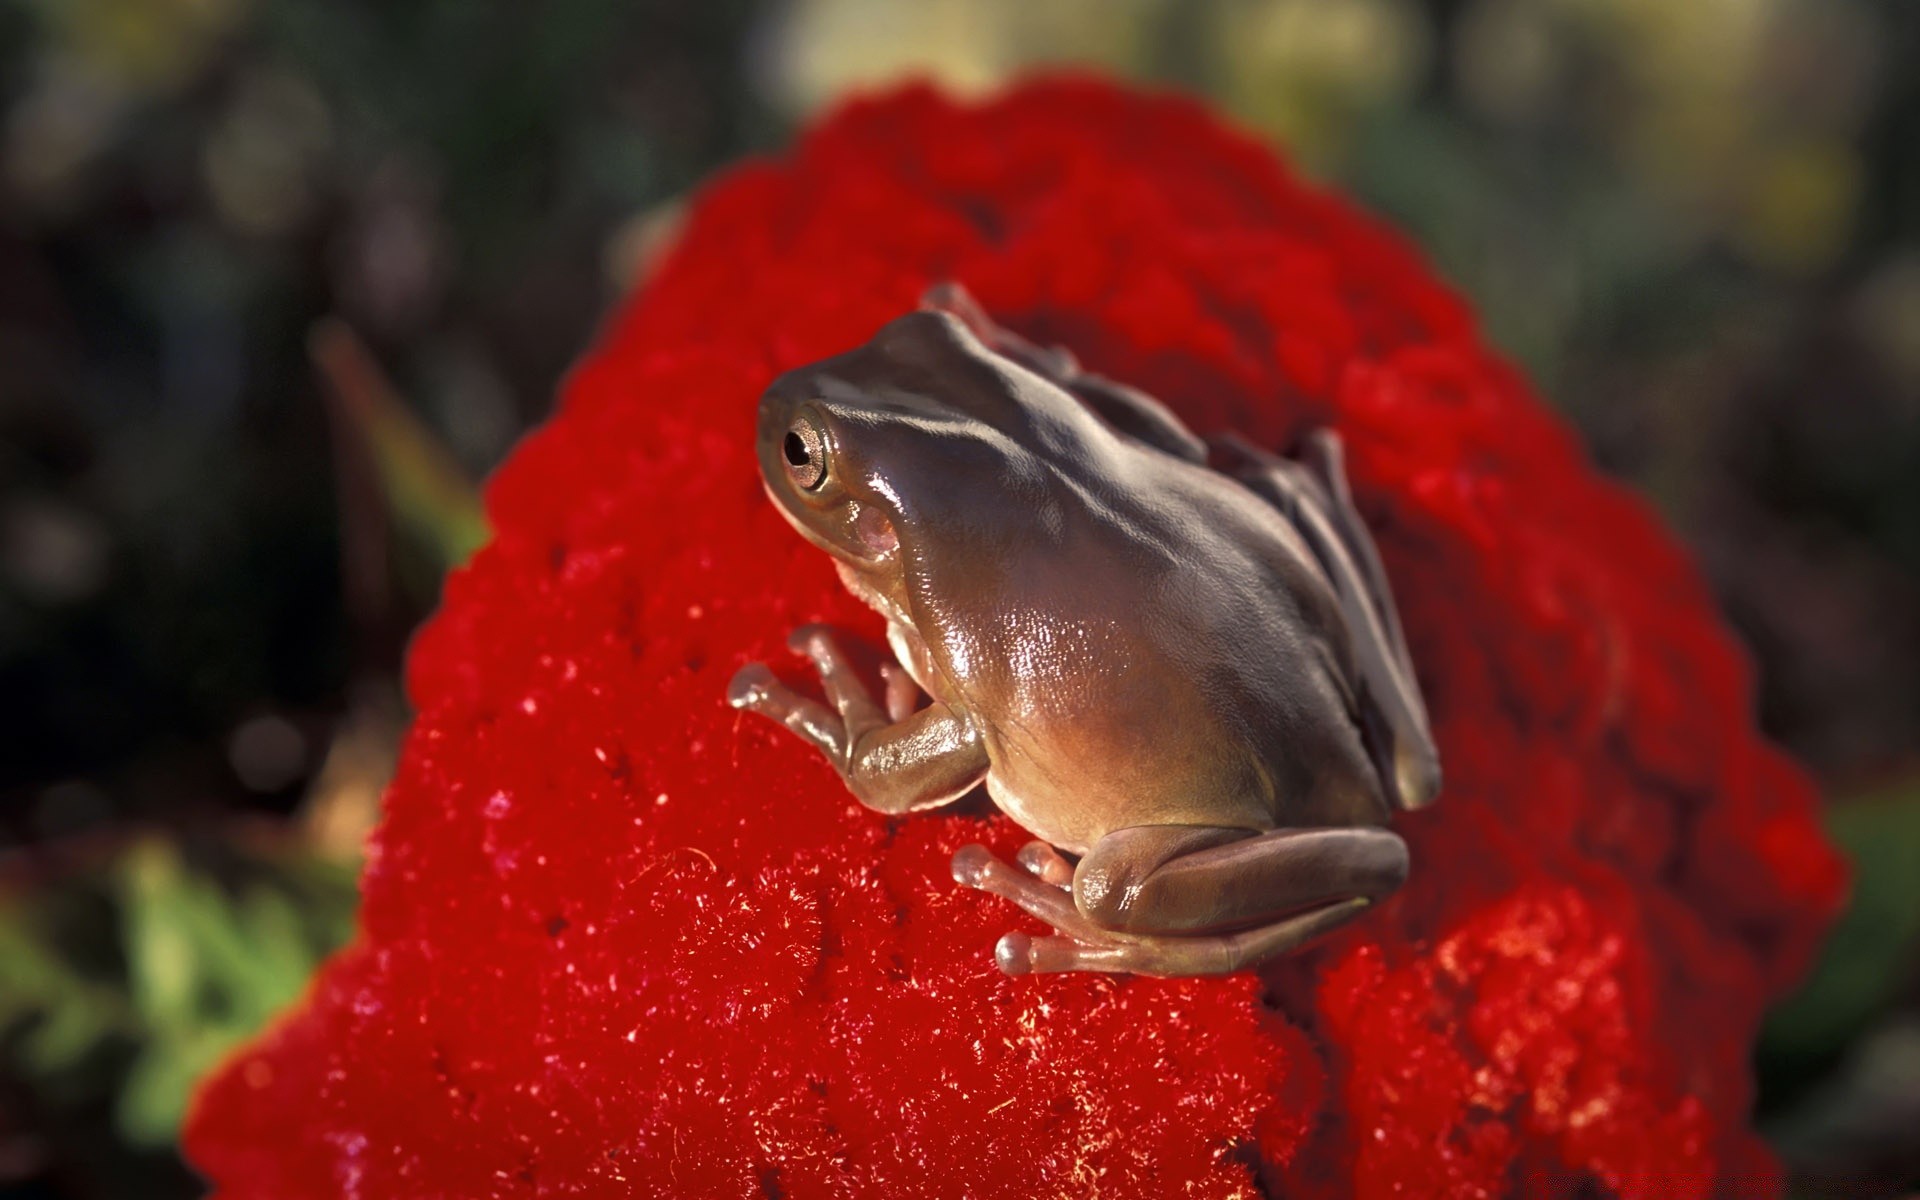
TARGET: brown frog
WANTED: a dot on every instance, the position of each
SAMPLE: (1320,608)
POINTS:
(1176,663)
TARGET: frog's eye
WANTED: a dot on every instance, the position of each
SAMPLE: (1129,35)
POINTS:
(805,451)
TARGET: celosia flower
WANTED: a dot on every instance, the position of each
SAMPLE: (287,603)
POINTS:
(620,940)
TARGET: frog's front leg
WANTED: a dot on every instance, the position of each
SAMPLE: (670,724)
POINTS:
(1191,900)
(893,759)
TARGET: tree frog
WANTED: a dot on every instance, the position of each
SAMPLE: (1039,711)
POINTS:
(1175,662)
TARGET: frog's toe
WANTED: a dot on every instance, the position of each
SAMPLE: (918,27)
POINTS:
(752,686)
(1013,954)
(972,864)
(1021,954)
(1046,864)
(811,640)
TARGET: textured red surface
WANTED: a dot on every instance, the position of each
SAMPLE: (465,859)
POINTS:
(619,940)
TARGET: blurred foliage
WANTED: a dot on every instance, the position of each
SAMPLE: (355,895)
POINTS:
(221,515)
(392,474)
(124,979)
(423,487)
(443,176)
(1870,957)
(1839,1061)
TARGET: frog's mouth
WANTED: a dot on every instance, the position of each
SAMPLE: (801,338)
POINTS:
(862,532)
(862,589)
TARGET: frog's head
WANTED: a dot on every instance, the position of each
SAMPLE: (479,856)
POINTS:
(921,440)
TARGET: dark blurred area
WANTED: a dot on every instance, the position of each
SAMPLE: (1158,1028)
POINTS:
(279,279)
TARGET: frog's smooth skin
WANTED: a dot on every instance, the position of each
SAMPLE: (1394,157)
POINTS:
(1176,663)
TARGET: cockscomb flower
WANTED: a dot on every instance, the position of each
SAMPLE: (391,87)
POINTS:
(619,939)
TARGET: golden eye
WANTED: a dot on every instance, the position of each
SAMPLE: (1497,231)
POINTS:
(805,451)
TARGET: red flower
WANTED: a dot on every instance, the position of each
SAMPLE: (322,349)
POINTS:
(619,940)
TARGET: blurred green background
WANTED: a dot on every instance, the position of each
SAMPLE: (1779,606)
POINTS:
(1697,224)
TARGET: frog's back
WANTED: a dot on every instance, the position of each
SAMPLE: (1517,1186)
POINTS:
(1168,654)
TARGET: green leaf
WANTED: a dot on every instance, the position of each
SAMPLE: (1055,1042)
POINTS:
(58,1015)
(153,1097)
(426,492)
(68,1032)
(162,962)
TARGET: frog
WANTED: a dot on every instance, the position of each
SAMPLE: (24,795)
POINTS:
(1174,661)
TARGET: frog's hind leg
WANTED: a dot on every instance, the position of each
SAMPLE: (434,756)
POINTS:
(1083,945)
(1312,494)
(1022,954)
(1128,410)
(1322,453)
(1190,900)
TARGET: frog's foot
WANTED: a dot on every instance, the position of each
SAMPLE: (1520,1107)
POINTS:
(1171,956)
(1186,900)
(755,688)
(894,755)
(844,688)
(1081,945)
(851,709)
(977,867)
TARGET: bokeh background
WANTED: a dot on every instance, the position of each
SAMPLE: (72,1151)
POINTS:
(280,279)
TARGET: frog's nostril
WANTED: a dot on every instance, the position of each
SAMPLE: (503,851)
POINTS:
(795,450)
